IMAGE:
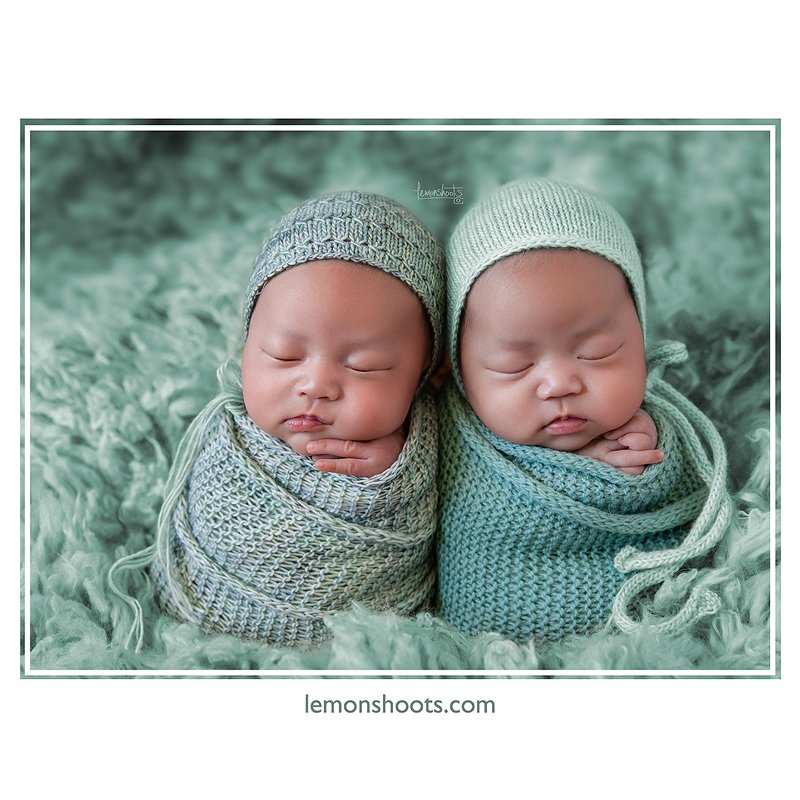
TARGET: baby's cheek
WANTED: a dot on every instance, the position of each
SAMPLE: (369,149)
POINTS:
(627,399)
(508,398)
(481,392)
(503,410)
(260,402)
(385,411)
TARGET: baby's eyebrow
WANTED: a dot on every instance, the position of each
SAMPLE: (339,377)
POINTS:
(372,341)
(356,344)
(514,342)
(284,332)
(594,329)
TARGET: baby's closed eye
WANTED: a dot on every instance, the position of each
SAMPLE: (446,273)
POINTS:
(599,352)
(283,356)
(511,369)
(364,368)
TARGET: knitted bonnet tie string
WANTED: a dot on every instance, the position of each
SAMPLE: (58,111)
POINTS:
(230,397)
(709,526)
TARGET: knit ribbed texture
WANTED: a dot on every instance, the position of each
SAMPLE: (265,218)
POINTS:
(257,543)
(530,214)
(536,543)
(364,228)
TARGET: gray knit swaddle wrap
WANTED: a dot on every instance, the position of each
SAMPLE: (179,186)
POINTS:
(264,546)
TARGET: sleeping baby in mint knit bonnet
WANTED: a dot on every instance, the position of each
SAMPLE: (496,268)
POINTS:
(573,477)
(309,483)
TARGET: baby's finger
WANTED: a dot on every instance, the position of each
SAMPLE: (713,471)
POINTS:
(637,440)
(618,432)
(633,458)
(343,466)
(336,448)
(631,470)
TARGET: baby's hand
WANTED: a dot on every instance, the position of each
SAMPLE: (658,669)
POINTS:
(363,459)
(629,448)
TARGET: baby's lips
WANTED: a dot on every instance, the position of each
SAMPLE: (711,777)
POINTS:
(566,425)
(305,423)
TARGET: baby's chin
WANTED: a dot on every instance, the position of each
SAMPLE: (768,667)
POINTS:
(299,441)
(565,443)
(564,446)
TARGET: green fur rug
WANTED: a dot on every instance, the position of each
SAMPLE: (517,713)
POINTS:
(141,249)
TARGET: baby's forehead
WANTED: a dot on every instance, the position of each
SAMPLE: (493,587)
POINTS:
(545,269)
(339,274)
(552,284)
(348,295)
(535,262)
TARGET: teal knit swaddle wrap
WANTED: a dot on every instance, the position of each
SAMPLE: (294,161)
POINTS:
(535,543)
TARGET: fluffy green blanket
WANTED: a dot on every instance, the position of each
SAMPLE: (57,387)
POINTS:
(140,255)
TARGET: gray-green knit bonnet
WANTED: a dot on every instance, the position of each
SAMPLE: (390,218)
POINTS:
(361,227)
(528,214)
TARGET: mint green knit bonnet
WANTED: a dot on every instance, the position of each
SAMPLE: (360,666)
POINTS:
(364,228)
(529,214)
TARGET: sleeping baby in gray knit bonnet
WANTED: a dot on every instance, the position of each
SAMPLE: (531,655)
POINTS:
(309,482)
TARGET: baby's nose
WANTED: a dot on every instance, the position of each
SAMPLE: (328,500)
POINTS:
(558,379)
(319,381)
